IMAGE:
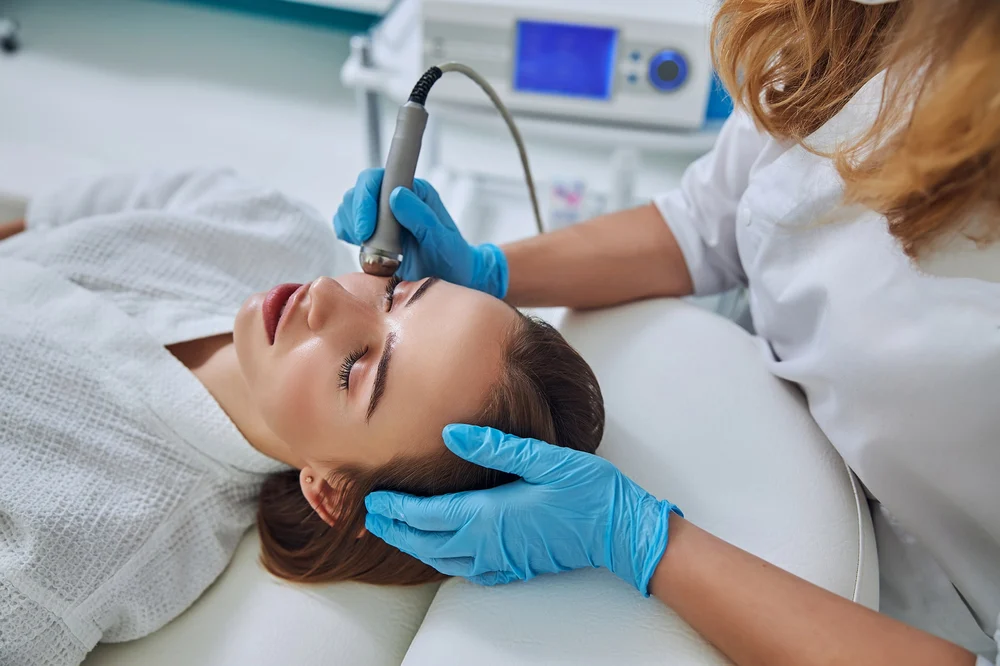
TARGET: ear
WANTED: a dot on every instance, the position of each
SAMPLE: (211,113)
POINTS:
(321,497)
(325,500)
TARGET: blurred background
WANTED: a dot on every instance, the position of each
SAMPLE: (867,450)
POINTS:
(253,84)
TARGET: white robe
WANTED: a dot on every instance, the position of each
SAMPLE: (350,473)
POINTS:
(125,487)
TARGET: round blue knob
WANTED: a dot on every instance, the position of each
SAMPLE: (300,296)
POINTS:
(668,70)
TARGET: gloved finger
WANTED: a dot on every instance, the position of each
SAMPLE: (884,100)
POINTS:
(366,192)
(531,459)
(342,220)
(494,578)
(413,214)
(430,196)
(422,545)
(442,513)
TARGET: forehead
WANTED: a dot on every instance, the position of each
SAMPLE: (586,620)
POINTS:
(446,358)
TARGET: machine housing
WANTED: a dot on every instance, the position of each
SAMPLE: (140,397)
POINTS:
(624,62)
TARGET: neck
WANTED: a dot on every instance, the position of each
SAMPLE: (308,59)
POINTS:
(213,361)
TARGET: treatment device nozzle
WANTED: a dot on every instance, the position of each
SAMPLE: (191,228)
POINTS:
(377,263)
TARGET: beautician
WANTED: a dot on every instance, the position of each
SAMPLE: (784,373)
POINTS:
(856,193)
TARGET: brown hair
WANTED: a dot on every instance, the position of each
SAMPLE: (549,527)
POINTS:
(931,159)
(545,390)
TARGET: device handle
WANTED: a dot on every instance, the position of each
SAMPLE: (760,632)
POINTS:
(400,166)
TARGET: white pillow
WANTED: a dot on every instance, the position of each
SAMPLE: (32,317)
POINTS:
(250,618)
(693,416)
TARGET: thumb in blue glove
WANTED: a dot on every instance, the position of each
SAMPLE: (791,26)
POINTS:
(569,510)
(355,219)
(432,243)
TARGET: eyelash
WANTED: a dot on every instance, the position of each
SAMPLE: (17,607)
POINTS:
(390,289)
(355,356)
(345,367)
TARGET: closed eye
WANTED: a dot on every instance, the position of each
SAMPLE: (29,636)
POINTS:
(390,291)
(382,371)
(348,365)
(357,355)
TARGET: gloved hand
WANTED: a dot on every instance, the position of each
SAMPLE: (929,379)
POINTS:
(569,510)
(433,247)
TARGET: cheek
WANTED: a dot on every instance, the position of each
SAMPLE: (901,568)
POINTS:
(298,399)
(244,341)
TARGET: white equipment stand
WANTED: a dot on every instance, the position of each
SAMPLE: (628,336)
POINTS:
(389,61)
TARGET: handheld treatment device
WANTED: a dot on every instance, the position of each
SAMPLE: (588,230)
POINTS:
(382,254)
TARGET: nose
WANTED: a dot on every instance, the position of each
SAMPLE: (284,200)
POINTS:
(330,302)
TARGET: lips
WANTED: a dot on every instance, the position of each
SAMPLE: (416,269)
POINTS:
(274,307)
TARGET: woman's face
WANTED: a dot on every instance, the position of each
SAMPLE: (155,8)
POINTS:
(356,375)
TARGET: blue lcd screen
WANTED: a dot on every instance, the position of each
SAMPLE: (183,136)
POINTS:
(562,59)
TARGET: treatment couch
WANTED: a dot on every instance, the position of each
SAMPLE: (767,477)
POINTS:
(693,416)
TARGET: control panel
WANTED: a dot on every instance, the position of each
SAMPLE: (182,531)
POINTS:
(619,62)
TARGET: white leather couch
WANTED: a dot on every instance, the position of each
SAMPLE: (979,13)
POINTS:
(693,416)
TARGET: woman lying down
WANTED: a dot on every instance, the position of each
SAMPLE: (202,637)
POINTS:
(158,390)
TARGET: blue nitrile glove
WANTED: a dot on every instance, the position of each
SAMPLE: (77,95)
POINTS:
(433,247)
(569,510)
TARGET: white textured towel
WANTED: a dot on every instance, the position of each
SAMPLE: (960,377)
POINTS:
(125,488)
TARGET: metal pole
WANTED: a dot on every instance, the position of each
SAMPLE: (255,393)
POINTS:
(624,168)
(368,102)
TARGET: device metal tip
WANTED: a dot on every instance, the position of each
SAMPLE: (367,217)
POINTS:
(374,262)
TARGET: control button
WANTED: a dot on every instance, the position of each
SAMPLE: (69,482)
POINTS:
(668,70)
(635,56)
(633,78)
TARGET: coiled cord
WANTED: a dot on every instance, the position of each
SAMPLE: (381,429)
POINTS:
(423,86)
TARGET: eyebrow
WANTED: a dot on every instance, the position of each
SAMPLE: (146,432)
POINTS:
(382,372)
(421,291)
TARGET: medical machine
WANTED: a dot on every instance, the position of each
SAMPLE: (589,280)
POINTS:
(628,64)
(639,63)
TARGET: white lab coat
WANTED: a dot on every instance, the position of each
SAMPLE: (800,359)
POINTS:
(900,363)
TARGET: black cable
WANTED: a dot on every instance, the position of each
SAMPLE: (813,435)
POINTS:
(419,94)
